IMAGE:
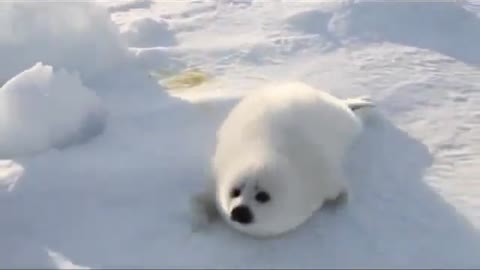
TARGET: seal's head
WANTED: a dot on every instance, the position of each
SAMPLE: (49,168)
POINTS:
(260,199)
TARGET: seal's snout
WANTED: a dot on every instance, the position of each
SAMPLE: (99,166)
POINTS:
(242,214)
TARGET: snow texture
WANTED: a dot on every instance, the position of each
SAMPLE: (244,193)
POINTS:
(122,198)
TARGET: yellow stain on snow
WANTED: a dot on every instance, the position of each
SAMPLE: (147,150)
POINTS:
(184,80)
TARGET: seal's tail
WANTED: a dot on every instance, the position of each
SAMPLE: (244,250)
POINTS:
(361,106)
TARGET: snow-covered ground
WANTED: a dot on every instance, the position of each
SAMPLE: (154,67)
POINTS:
(98,160)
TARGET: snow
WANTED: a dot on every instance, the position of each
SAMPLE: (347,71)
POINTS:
(10,172)
(125,5)
(63,263)
(120,196)
(43,109)
(59,34)
(453,32)
(148,32)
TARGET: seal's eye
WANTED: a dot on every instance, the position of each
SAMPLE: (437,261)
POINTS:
(235,192)
(262,197)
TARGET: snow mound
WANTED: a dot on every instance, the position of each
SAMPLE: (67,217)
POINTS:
(148,32)
(78,36)
(446,27)
(43,108)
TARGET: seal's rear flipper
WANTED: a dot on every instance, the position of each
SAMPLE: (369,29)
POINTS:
(358,103)
(341,199)
(361,106)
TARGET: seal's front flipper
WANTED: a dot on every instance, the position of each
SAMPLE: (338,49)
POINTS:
(204,210)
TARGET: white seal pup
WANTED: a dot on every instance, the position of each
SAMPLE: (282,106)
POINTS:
(279,157)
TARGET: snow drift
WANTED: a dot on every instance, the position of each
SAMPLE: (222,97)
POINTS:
(42,108)
(78,36)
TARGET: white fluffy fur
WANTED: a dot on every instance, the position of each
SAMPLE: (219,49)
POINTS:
(289,140)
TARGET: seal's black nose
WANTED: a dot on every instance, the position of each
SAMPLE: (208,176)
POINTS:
(241,214)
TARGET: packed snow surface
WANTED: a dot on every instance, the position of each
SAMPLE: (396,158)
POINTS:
(99,160)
